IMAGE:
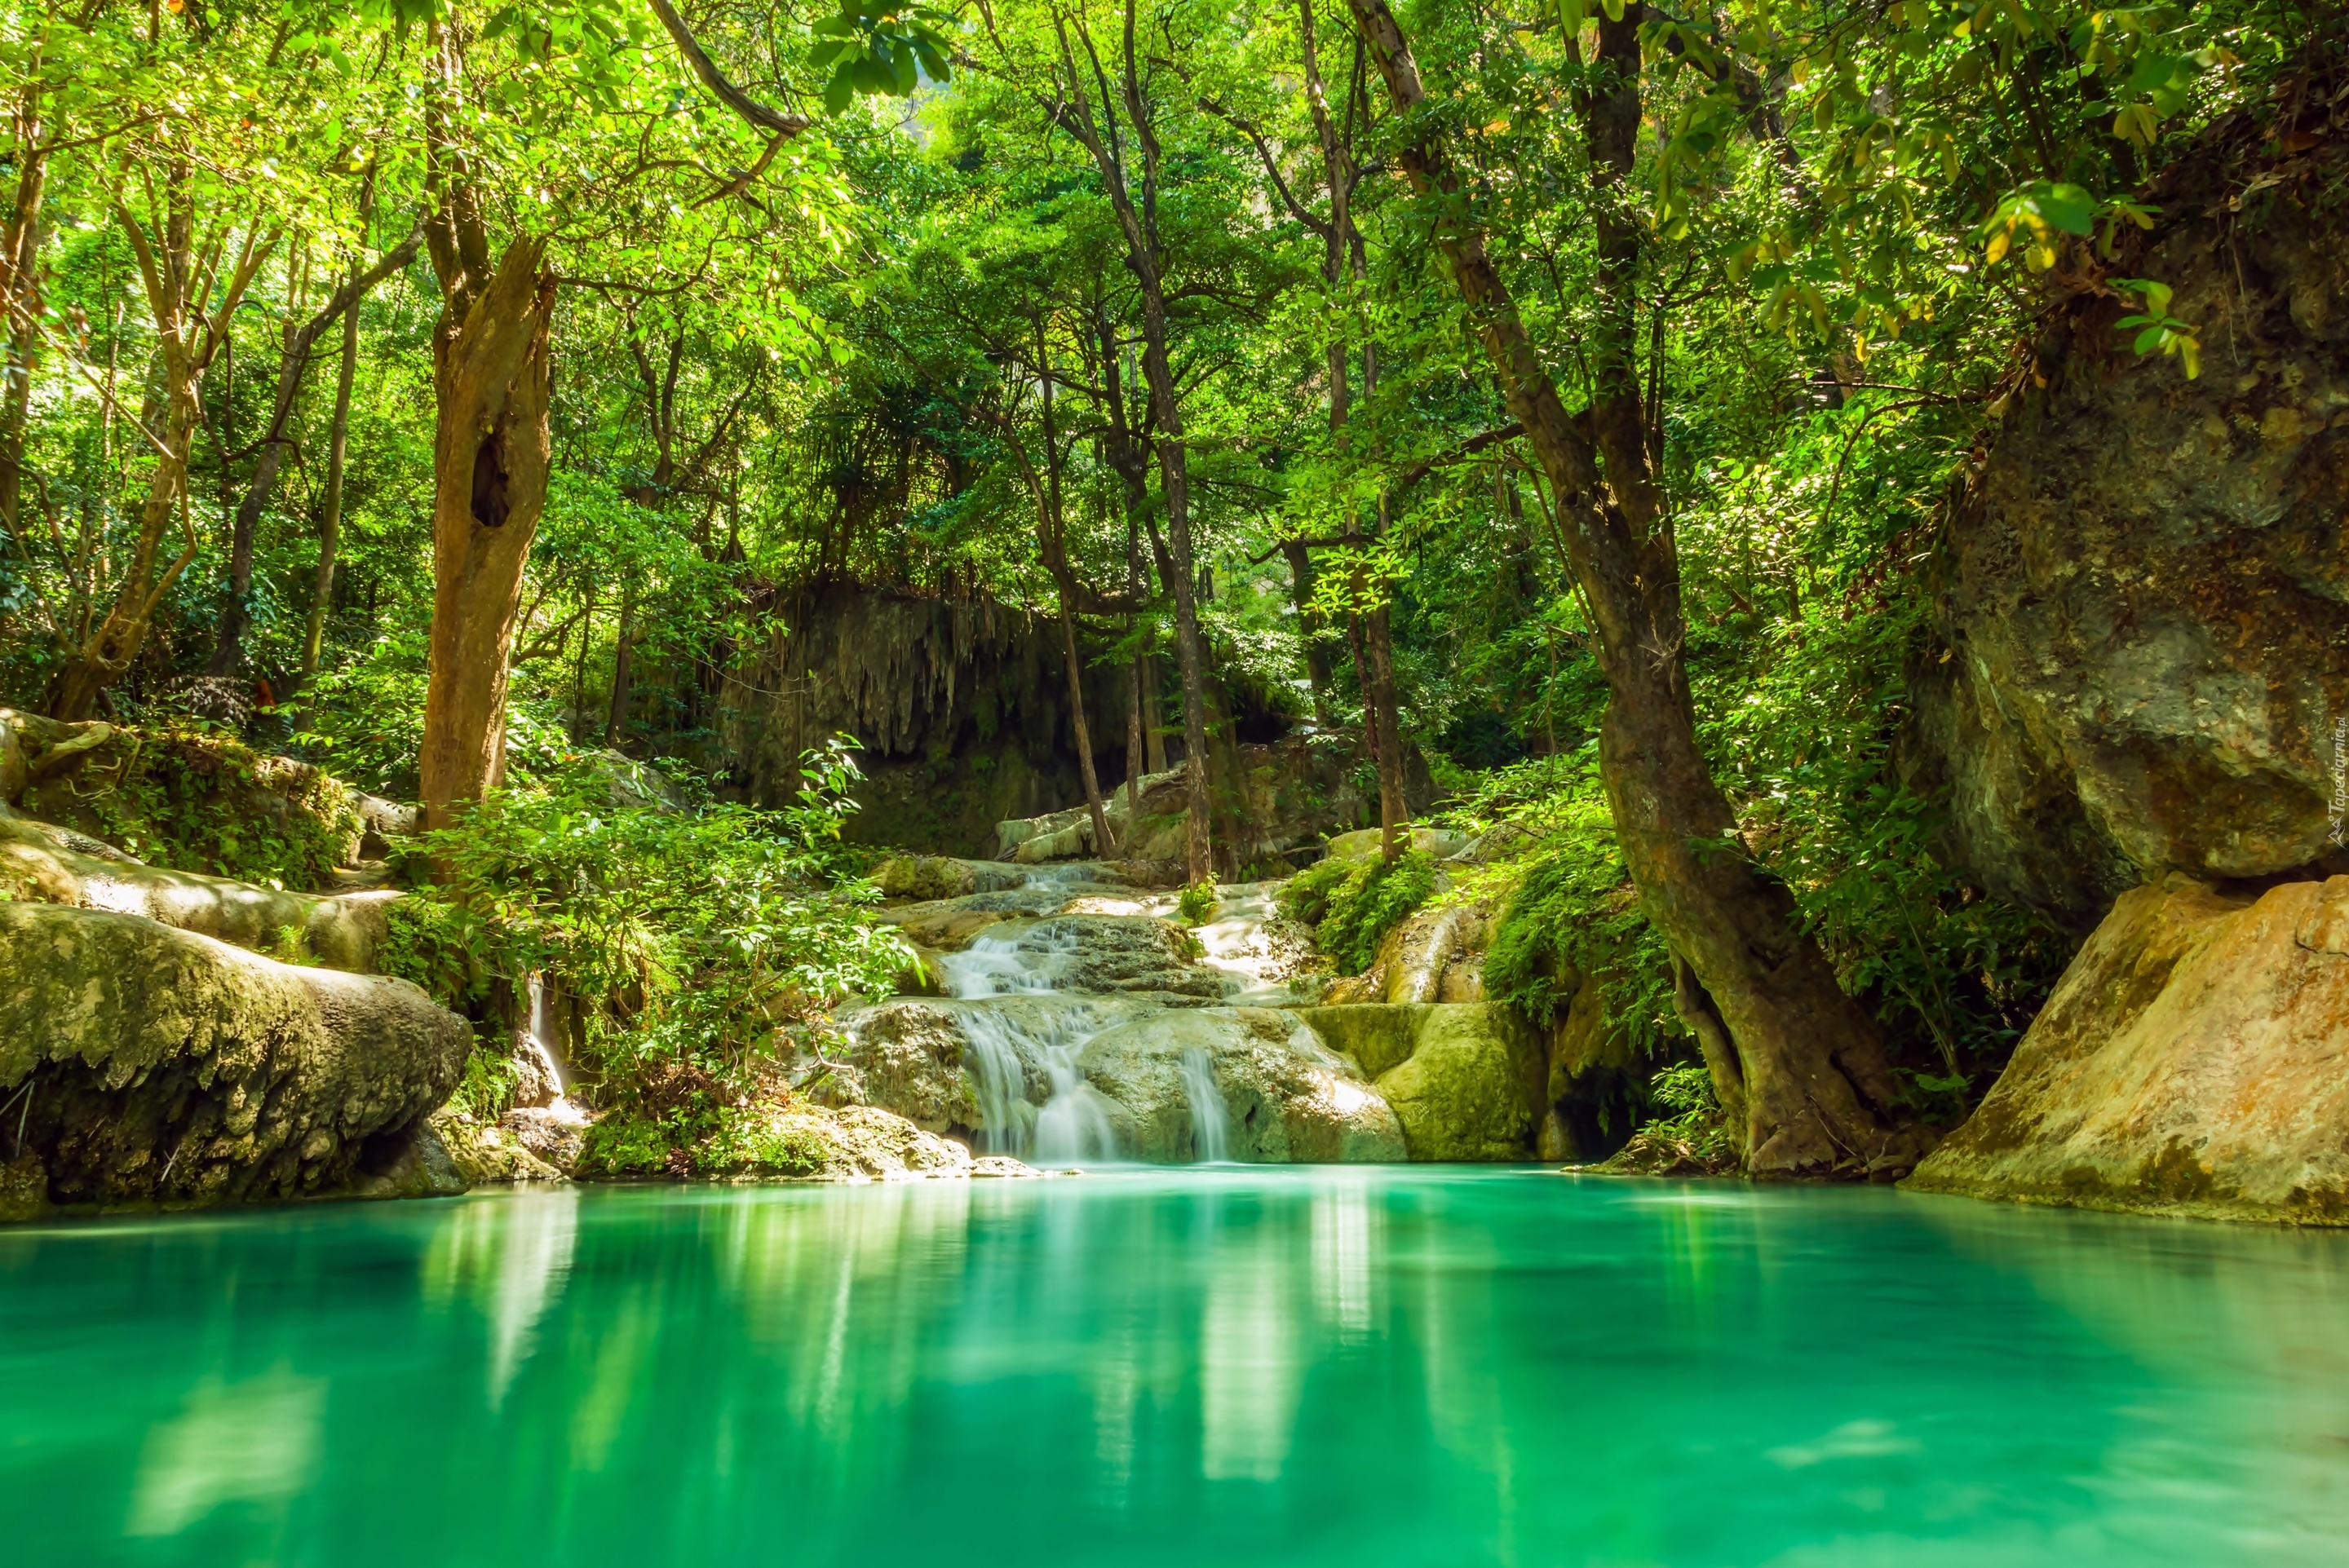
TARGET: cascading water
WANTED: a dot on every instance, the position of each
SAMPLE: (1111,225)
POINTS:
(542,1046)
(1211,1120)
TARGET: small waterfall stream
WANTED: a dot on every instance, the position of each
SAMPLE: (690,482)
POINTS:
(1012,992)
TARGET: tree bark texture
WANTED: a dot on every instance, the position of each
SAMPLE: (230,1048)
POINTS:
(1785,1043)
(490,366)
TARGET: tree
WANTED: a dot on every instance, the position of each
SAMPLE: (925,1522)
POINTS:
(1793,1058)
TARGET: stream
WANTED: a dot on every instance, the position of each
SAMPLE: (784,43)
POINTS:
(1304,1366)
(1094,1029)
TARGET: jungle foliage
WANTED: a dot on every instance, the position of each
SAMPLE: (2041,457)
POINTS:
(857,292)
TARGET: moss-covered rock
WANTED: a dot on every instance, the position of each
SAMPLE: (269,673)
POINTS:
(1463,1092)
(43,862)
(188,798)
(1465,1079)
(167,1066)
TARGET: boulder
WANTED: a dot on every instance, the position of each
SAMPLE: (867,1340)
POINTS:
(905,1057)
(1287,1098)
(2194,1060)
(1435,955)
(1465,1079)
(43,862)
(192,794)
(494,1155)
(153,1065)
(2142,601)
(1362,843)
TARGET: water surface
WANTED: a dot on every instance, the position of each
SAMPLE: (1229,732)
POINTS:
(1300,1366)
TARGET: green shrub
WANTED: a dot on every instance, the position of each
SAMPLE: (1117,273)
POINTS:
(688,938)
(1352,904)
(1196,905)
(486,1093)
(624,1145)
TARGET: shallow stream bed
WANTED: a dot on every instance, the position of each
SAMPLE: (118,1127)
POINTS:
(1234,1365)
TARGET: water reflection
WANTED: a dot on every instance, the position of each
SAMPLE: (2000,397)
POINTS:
(255,1442)
(507,1255)
(1301,1367)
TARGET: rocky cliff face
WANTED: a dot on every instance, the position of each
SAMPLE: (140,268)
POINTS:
(2143,696)
(962,707)
(2145,604)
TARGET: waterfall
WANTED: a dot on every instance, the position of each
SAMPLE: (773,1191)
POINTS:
(1024,966)
(1211,1121)
(542,1046)
(1006,1121)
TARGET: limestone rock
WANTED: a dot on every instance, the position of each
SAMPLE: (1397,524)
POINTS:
(928,878)
(1436,951)
(2194,1060)
(1465,1079)
(44,862)
(168,1066)
(864,1141)
(906,1056)
(1361,845)
(2144,604)
(1288,1099)
(1463,1092)
(494,1155)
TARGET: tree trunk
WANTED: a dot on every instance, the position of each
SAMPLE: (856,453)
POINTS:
(330,518)
(177,291)
(1138,225)
(1317,652)
(1103,844)
(1394,815)
(579,670)
(615,724)
(20,294)
(1134,745)
(1153,717)
(1784,1041)
(491,451)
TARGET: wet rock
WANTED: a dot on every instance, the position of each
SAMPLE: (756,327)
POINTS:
(864,1141)
(1286,1098)
(2144,597)
(1465,1080)
(168,1066)
(496,1155)
(1285,1095)
(2194,1060)
(906,1056)
(928,878)
(1002,1165)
